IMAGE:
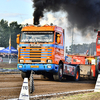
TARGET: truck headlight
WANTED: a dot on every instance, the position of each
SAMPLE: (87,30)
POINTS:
(28,61)
(20,66)
(49,61)
(21,61)
(48,66)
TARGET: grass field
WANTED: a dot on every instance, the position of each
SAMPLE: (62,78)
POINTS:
(84,96)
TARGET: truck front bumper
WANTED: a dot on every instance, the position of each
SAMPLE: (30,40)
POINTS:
(38,67)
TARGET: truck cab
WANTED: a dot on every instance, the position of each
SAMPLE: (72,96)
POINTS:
(41,49)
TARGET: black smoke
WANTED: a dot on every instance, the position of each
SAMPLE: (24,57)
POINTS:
(81,13)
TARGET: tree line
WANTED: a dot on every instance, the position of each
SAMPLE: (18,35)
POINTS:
(14,28)
(82,48)
(6,30)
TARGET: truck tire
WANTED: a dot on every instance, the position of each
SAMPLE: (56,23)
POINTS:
(77,74)
(25,74)
(31,83)
(97,71)
(59,75)
(98,68)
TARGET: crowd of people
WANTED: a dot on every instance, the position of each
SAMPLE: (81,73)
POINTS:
(7,55)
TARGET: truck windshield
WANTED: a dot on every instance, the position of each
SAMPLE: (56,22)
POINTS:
(37,37)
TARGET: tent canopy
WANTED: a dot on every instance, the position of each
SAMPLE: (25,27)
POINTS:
(7,50)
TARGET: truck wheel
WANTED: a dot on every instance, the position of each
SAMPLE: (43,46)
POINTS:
(77,74)
(31,83)
(97,70)
(25,74)
(59,74)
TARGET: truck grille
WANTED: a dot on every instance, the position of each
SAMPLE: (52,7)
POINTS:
(36,60)
(35,54)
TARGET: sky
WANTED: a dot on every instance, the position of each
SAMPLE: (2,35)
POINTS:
(16,10)
(22,12)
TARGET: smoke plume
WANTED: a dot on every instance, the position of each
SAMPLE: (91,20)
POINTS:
(81,13)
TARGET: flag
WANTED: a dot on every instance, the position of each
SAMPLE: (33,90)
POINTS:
(10,42)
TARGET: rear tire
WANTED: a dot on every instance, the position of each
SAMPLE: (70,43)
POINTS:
(25,74)
(98,68)
(97,71)
(77,74)
(59,74)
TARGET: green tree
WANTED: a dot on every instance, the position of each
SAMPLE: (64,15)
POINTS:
(66,49)
(6,30)
(15,29)
(70,48)
(4,33)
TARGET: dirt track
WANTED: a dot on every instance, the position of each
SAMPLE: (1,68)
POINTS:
(7,65)
(10,86)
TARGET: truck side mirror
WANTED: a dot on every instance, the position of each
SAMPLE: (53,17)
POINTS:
(58,38)
(17,39)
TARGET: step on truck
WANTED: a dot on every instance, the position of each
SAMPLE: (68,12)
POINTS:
(41,49)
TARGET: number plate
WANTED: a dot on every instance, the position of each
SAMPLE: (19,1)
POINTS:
(34,66)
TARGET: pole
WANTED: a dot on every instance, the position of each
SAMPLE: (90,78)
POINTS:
(72,41)
(10,49)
